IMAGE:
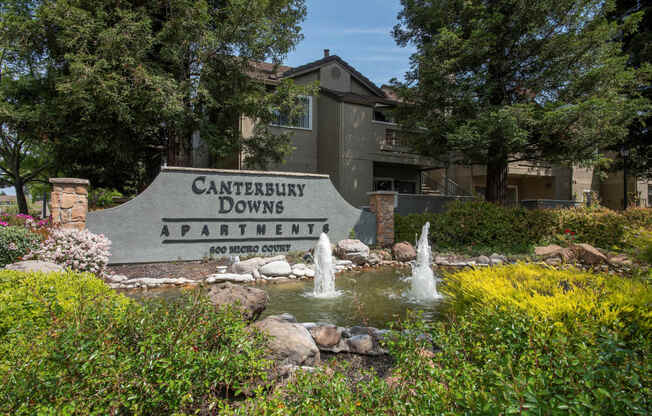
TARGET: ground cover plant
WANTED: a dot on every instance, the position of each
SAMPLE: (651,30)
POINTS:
(71,345)
(479,226)
(518,339)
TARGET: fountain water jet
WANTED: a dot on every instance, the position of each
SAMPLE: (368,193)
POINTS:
(324,270)
(424,285)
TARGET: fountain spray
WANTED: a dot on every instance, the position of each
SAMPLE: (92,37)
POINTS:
(424,285)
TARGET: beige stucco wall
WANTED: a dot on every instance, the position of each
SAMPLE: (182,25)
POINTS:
(358,88)
(327,80)
(328,138)
(360,147)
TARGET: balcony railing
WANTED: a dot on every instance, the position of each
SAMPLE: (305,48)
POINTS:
(394,141)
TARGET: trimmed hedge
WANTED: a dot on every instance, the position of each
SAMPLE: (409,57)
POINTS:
(482,226)
(71,345)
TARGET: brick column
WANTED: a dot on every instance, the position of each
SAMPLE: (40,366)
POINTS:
(381,203)
(69,202)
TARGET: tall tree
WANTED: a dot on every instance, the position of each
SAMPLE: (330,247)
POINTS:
(498,81)
(24,148)
(638,45)
(134,81)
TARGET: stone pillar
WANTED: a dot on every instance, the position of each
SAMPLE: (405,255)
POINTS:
(69,202)
(382,203)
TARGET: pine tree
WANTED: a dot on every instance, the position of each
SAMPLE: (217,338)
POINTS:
(494,82)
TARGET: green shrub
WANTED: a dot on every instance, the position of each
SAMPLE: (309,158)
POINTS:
(15,242)
(480,226)
(502,352)
(71,345)
(102,197)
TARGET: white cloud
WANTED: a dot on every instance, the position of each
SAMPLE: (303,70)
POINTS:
(364,31)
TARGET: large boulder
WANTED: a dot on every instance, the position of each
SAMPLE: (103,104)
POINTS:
(247,266)
(289,342)
(404,251)
(249,300)
(34,266)
(588,254)
(353,250)
(554,251)
(276,268)
(326,336)
(547,251)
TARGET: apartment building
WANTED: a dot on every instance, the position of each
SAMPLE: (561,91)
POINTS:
(348,133)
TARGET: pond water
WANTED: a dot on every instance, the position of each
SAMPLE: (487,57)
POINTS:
(373,298)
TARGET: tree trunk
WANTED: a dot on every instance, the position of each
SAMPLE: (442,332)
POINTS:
(20,196)
(179,149)
(497,180)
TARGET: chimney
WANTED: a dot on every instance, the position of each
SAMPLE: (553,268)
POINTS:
(327,52)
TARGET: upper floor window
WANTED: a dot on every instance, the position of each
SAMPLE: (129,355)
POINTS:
(384,115)
(302,121)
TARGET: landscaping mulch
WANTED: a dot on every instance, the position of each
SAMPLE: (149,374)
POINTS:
(195,270)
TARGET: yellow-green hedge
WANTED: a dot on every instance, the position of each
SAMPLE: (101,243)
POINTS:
(565,296)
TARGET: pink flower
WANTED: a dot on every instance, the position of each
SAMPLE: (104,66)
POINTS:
(4,224)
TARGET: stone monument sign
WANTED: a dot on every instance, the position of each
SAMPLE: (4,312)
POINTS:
(190,214)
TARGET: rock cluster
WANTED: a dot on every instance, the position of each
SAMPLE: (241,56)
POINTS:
(454,261)
(584,256)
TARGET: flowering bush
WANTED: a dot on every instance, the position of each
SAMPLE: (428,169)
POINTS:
(80,251)
(15,242)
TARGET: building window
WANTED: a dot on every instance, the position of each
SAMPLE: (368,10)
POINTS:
(302,121)
(405,187)
(649,196)
(383,184)
(384,115)
(390,184)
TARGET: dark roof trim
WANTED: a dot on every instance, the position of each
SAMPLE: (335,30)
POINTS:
(352,98)
(334,58)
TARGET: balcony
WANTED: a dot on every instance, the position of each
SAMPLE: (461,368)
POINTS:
(394,142)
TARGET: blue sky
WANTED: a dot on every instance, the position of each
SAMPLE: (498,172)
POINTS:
(358,31)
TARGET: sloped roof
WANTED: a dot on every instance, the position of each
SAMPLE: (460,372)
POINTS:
(390,93)
(334,58)
(353,98)
(266,71)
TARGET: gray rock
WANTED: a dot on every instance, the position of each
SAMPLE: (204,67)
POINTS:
(280,257)
(588,254)
(354,250)
(553,261)
(229,277)
(299,270)
(374,259)
(248,266)
(116,278)
(497,259)
(326,336)
(249,300)
(288,317)
(361,344)
(404,251)
(483,260)
(441,260)
(157,282)
(276,268)
(310,273)
(34,266)
(289,343)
